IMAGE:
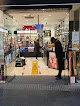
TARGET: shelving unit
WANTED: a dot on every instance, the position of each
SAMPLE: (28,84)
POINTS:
(3,38)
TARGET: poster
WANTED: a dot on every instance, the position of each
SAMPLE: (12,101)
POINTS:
(1,60)
(52,60)
(66,64)
(6,60)
(30,49)
(75,40)
(1,45)
(70,63)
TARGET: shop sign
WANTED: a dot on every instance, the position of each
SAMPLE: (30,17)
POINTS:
(75,40)
(38,26)
(52,60)
(29,27)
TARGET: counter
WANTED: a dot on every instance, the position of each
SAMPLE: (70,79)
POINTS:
(51,60)
(28,52)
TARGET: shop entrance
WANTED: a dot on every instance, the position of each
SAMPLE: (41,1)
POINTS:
(26,26)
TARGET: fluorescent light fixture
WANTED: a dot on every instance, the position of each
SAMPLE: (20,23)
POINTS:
(67,13)
(25,15)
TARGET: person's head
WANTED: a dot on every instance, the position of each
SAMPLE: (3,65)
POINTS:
(53,40)
(37,40)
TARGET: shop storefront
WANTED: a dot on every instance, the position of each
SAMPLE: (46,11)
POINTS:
(40,24)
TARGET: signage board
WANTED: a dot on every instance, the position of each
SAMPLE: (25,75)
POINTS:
(1,45)
(38,26)
(52,60)
(75,40)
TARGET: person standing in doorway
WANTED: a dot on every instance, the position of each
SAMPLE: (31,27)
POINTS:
(37,47)
(59,55)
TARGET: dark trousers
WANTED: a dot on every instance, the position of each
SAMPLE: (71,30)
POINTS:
(60,65)
(36,55)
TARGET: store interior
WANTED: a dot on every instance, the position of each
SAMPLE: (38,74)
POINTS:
(20,28)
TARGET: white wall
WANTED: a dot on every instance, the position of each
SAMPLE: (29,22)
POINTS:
(52,31)
(1,18)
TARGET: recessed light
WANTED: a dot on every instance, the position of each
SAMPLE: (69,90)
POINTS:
(49,15)
(67,13)
(74,30)
(25,15)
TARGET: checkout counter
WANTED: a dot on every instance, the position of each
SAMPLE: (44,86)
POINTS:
(50,59)
(28,52)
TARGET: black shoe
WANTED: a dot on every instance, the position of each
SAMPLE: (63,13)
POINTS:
(58,78)
(56,75)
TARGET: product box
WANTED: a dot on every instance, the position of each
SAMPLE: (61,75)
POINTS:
(72,79)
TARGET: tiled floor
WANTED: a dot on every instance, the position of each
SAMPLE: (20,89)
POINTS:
(38,91)
(42,68)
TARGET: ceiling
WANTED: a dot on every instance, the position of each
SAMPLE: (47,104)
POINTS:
(27,3)
(48,17)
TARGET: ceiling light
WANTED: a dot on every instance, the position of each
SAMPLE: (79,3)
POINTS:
(26,20)
(14,18)
(25,15)
(67,13)
(43,9)
(49,15)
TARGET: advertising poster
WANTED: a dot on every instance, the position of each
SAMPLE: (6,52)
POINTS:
(70,63)
(6,60)
(30,49)
(1,45)
(75,40)
(1,60)
(66,64)
(52,60)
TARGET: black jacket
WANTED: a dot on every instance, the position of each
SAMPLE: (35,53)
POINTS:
(37,47)
(58,49)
